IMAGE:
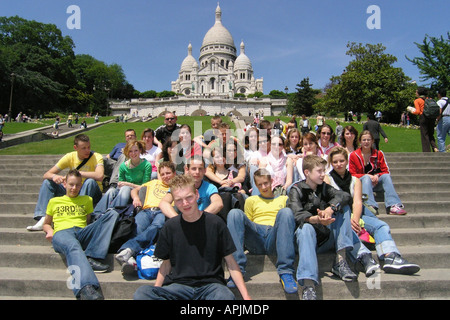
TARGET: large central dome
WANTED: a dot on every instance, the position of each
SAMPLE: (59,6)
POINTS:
(218,34)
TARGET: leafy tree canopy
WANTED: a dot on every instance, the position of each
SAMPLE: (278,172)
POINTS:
(434,65)
(370,82)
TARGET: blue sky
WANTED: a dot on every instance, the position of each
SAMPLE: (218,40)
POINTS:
(286,40)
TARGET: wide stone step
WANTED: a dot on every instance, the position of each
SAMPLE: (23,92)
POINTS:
(415,179)
(30,256)
(427,284)
(421,187)
(402,236)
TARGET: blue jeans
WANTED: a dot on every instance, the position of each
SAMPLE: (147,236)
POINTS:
(261,239)
(175,291)
(442,131)
(114,197)
(381,232)
(384,184)
(76,244)
(341,237)
(50,189)
(148,224)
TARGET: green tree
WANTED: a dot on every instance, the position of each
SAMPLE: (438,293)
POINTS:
(277,94)
(369,83)
(304,99)
(435,63)
(41,59)
(97,82)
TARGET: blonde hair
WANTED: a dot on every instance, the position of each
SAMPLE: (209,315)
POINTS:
(182,181)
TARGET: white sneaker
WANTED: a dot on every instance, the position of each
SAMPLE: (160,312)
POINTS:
(123,256)
(38,226)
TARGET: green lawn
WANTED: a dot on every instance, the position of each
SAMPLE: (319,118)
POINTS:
(105,137)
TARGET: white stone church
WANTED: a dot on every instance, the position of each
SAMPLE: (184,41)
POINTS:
(208,87)
(220,71)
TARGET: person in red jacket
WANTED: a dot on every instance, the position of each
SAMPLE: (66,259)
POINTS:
(369,165)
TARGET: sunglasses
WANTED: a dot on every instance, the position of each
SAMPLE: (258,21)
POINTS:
(171,119)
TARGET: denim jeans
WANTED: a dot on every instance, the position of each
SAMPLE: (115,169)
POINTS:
(384,184)
(341,237)
(114,197)
(50,189)
(262,239)
(148,224)
(175,291)
(442,131)
(76,244)
(381,232)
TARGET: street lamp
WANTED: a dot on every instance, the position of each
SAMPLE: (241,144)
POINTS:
(10,97)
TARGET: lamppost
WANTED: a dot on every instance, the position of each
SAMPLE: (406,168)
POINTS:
(10,97)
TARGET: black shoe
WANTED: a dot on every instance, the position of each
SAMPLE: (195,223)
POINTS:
(367,265)
(309,293)
(89,292)
(97,266)
(343,271)
(394,263)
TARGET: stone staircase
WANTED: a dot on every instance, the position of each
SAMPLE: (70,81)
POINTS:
(30,269)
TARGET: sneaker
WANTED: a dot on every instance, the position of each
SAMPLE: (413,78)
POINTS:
(230,283)
(89,292)
(97,266)
(39,226)
(129,267)
(343,271)
(123,256)
(397,209)
(288,282)
(309,293)
(368,264)
(394,263)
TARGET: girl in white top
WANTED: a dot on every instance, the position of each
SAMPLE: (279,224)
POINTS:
(326,139)
(277,163)
(251,143)
(151,150)
(310,145)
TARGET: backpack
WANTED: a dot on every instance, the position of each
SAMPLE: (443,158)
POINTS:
(147,264)
(124,228)
(431,109)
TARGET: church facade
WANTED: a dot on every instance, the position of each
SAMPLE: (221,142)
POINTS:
(219,71)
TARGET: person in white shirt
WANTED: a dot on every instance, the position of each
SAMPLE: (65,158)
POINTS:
(443,125)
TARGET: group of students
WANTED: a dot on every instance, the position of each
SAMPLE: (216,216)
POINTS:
(211,197)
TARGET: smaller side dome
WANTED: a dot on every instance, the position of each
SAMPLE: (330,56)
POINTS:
(242,61)
(188,62)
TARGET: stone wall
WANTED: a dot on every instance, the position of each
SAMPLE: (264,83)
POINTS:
(209,106)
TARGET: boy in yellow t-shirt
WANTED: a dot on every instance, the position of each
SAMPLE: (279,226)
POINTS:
(67,227)
(268,228)
(149,220)
(91,172)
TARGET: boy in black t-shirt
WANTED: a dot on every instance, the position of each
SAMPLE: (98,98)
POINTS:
(192,246)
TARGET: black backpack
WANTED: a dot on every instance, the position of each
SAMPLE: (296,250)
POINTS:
(124,227)
(431,109)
